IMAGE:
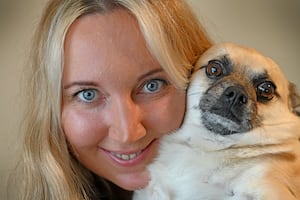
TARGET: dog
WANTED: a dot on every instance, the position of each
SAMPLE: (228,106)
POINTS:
(240,138)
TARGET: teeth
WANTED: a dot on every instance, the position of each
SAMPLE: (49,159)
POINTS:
(127,157)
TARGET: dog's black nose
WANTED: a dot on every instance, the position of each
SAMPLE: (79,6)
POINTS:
(235,96)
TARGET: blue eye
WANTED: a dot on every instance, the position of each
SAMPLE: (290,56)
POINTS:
(154,85)
(87,95)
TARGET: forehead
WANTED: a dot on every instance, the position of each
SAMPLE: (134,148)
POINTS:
(104,31)
(105,45)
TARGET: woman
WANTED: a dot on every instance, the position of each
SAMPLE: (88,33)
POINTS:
(107,79)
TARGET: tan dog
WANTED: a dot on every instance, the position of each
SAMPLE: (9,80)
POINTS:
(240,137)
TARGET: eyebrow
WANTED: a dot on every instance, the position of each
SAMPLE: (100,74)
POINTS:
(92,83)
(154,71)
(79,83)
(259,77)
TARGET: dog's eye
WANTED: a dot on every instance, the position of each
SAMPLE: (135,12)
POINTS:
(265,91)
(214,69)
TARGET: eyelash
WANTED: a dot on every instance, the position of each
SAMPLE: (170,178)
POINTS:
(163,83)
(80,92)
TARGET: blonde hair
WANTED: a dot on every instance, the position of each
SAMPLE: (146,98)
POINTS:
(49,171)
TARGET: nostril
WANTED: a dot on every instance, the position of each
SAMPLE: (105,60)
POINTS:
(243,99)
(230,94)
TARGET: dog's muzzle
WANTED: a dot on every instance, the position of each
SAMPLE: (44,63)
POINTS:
(228,109)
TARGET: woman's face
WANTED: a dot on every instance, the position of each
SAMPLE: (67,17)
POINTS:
(117,99)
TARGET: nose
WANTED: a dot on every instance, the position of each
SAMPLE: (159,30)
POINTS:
(235,97)
(126,121)
(233,103)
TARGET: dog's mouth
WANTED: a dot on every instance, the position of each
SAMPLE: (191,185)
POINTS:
(231,112)
(224,125)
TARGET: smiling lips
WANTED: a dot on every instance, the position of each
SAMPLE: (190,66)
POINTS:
(126,157)
(131,158)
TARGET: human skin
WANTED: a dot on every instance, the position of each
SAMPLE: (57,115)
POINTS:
(117,99)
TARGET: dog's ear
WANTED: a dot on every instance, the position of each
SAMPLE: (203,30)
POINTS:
(294,99)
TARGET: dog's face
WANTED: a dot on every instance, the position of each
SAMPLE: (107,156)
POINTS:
(236,90)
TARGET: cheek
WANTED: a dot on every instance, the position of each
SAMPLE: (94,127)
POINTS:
(82,130)
(168,115)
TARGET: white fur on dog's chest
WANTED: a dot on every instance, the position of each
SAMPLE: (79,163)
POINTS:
(205,175)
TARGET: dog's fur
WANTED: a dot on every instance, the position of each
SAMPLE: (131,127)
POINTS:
(239,140)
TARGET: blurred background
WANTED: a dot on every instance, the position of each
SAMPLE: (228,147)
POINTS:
(271,26)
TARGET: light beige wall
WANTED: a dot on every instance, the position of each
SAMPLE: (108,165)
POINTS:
(271,26)
(17,21)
